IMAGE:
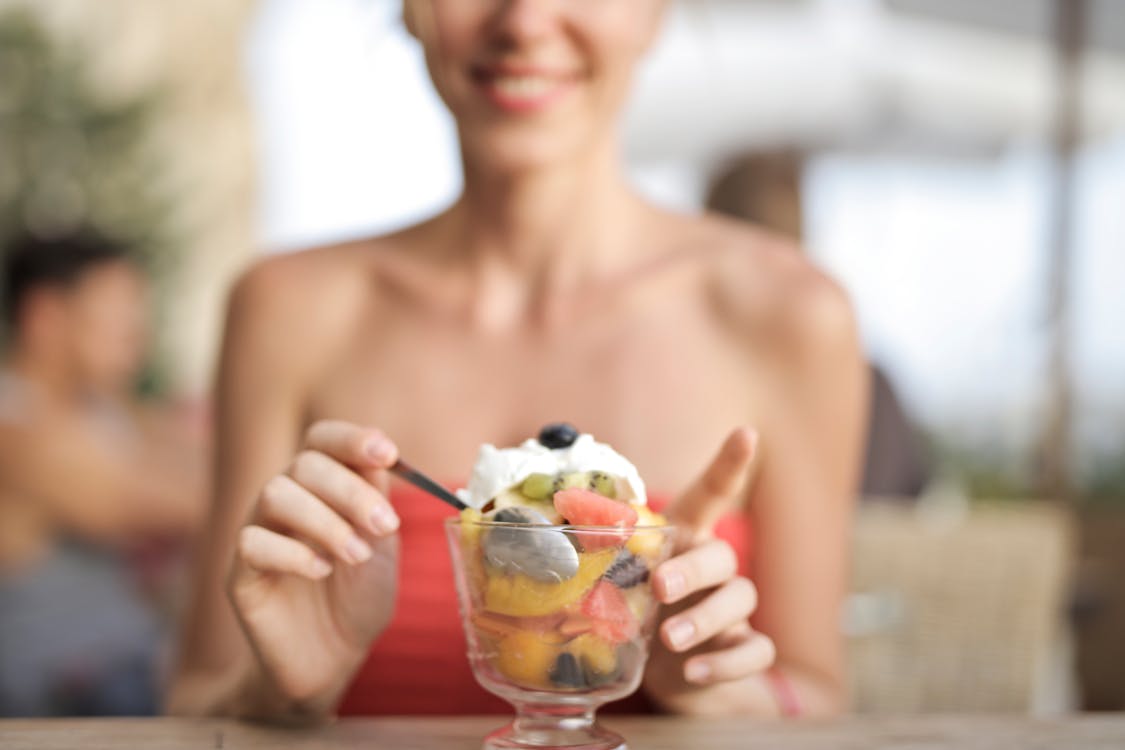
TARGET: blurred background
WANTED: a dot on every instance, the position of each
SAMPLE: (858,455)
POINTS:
(958,165)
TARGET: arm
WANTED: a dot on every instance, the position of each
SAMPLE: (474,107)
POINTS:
(298,573)
(804,497)
(99,488)
(258,423)
(800,505)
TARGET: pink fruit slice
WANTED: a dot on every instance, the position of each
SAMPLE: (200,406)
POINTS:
(582,507)
(608,608)
(576,624)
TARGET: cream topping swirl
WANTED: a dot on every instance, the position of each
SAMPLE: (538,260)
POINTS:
(500,469)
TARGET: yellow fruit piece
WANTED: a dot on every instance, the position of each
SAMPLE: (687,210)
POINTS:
(526,659)
(596,654)
(521,596)
(646,516)
(640,601)
(470,549)
(515,499)
(647,542)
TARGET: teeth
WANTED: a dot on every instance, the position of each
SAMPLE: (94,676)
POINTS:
(524,87)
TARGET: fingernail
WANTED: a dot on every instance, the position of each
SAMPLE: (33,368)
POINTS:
(380,449)
(385,520)
(697,671)
(674,584)
(320,568)
(680,632)
(357,550)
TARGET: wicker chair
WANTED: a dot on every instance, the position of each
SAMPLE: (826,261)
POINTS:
(958,611)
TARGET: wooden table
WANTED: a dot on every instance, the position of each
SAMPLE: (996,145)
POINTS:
(920,733)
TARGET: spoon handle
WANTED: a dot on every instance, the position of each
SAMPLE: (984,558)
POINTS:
(409,474)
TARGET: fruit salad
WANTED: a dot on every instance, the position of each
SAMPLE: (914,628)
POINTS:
(557,547)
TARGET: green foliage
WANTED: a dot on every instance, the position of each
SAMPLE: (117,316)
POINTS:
(988,475)
(71,156)
(977,466)
(1106,483)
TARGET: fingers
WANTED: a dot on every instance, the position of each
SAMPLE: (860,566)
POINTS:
(322,504)
(730,604)
(720,485)
(287,505)
(266,551)
(350,444)
(751,653)
(702,567)
(345,491)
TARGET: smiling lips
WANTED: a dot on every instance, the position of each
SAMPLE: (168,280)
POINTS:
(523,90)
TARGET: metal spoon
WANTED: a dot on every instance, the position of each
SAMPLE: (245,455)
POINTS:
(408,473)
(542,554)
(518,547)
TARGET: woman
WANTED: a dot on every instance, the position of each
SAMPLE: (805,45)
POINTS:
(549,290)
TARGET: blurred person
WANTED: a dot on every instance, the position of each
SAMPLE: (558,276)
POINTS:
(85,474)
(549,290)
(765,189)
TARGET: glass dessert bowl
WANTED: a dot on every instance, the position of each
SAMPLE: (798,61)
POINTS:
(553,575)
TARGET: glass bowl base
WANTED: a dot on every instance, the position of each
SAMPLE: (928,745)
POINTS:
(540,733)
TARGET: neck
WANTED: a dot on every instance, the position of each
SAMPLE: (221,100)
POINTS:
(531,236)
(573,212)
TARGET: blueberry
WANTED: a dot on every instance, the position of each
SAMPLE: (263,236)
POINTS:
(566,672)
(559,435)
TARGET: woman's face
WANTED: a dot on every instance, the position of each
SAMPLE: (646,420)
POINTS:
(533,82)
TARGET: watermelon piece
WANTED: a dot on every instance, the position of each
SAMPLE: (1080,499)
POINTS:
(582,507)
(613,619)
(575,624)
(546,626)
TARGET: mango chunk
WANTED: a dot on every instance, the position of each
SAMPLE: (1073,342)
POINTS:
(526,659)
(647,542)
(520,596)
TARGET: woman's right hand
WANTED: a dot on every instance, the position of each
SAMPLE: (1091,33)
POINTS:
(314,574)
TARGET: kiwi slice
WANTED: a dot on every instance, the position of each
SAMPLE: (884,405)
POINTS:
(570,481)
(603,484)
(538,486)
(595,481)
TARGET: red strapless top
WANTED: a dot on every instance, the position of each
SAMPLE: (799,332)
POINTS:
(418,666)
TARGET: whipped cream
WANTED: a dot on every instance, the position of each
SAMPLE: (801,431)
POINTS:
(500,469)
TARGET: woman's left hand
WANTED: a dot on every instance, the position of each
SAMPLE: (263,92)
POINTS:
(705,639)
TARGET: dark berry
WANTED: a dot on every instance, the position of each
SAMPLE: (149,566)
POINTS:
(627,571)
(566,672)
(559,435)
(519,515)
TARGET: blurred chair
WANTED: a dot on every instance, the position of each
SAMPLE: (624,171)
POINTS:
(959,611)
(1099,608)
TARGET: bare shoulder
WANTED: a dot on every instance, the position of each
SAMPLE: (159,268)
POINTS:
(300,283)
(765,286)
(297,306)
